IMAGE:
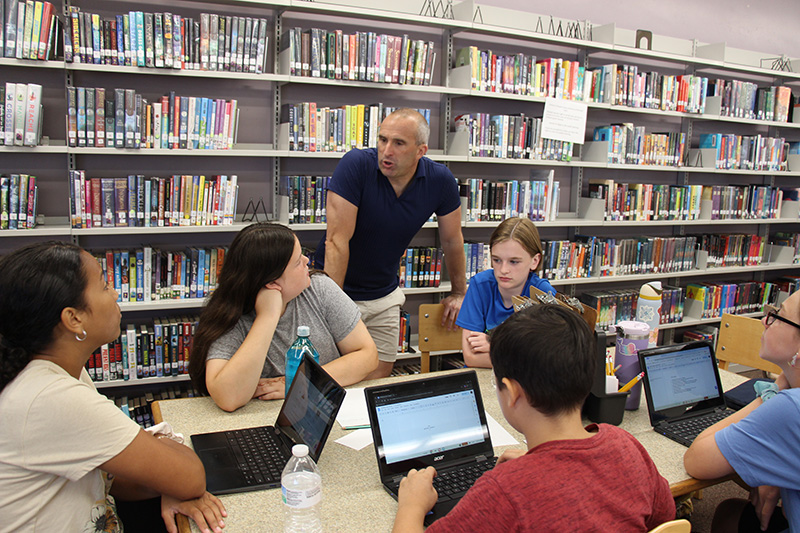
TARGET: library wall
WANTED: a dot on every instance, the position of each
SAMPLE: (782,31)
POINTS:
(743,24)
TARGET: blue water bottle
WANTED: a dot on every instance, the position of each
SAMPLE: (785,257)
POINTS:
(294,356)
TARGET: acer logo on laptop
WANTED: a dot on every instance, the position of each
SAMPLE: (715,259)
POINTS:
(438,458)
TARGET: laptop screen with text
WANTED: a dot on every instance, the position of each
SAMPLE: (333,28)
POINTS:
(433,424)
(681,378)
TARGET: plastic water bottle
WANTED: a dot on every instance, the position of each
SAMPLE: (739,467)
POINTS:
(301,485)
(294,356)
(648,309)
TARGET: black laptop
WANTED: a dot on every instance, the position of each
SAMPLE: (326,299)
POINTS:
(437,421)
(683,389)
(253,458)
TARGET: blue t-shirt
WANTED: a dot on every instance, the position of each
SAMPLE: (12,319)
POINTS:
(482,309)
(385,224)
(764,447)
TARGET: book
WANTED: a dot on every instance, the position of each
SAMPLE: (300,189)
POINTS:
(19,114)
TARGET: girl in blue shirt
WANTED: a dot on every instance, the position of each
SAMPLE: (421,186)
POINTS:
(516,253)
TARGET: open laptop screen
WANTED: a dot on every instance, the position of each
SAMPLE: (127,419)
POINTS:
(432,424)
(428,422)
(310,407)
(680,379)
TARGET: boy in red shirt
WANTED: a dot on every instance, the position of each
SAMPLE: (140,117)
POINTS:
(571,477)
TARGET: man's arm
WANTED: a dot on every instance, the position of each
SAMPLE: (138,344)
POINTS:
(453,247)
(341,216)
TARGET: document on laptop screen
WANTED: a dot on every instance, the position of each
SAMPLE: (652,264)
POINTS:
(420,427)
(681,378)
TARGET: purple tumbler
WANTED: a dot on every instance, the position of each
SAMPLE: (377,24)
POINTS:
(632,336)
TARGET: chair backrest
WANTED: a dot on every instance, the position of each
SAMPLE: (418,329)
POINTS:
(674,526)
(739,342)
(433,336)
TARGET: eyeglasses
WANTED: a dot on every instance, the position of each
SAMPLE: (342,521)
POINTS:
(771,314)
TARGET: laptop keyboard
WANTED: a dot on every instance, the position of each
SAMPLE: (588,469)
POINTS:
(453,483)
(685,431)
(258,454)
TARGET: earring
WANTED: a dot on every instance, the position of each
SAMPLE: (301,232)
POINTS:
(794,360)
(79,338)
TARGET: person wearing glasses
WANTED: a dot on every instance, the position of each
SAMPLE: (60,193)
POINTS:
(760,442)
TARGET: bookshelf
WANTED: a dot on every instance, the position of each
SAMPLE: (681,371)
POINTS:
(259,160)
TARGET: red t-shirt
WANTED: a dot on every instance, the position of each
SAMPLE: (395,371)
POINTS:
(604,483)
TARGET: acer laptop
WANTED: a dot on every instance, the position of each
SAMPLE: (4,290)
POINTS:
(437,421)
(683,389)
(253,458)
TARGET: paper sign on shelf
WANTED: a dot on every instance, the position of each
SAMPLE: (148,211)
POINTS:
(564,120)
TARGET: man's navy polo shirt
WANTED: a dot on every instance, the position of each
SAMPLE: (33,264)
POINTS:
(385,223)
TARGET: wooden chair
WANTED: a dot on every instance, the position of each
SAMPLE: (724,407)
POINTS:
(740,341)
(433,336)
(674,526)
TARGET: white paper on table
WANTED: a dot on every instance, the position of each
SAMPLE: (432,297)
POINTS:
(353,412)
(357,439)
(500,437)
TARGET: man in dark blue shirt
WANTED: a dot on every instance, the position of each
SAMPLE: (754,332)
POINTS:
(377,201)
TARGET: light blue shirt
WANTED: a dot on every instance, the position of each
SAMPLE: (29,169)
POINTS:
(764,449)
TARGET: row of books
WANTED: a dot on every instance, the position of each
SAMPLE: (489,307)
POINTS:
(138,407)
(314,128)
(646,201)
(160,348)
(19,198)
(21,120)
(564,79)
(510,137)
(167,40)
(122,118)
(137,201)
(747,152)
(629,144)
(478,258)
(788,284)
(30,29)
(744,99)
(497,200)
(732,249)
(732,298)
(148,273)
(616,305)
(743,201)
(792,240)
(421,267)
(308,197)
(589,256)
(361,56)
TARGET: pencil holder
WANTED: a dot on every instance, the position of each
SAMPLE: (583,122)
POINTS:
(601,406)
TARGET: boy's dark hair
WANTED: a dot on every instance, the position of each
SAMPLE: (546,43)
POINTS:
(550,351)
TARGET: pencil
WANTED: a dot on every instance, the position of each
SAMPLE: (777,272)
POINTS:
(629,385)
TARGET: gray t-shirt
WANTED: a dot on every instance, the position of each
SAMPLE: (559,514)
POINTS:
(328,312)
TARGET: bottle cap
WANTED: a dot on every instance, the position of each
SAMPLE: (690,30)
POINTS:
(633,329)
(303,331)
(300,450)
